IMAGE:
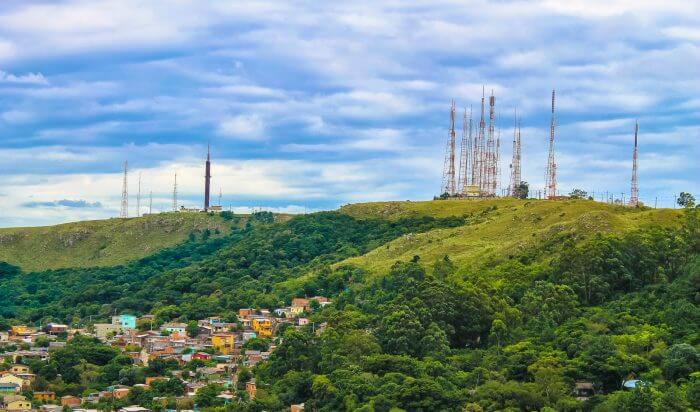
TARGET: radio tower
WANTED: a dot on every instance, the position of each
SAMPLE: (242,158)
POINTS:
(207,180)
(515,167)
(490,164)
(479,149)
(150,202)
(634,193)
(125,193)
(448,174)
(551,178)
(464,160)
(138,198)
(175,194)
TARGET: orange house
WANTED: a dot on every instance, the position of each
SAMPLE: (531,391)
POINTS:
(70,401)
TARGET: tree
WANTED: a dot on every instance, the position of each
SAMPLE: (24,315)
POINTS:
(685,199)
(192,329)
(522,190)
(682,359)
(578,194)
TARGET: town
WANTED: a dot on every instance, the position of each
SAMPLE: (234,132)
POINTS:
(207,360)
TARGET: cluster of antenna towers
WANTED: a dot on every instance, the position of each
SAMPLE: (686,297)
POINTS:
(479,170)
(124,211)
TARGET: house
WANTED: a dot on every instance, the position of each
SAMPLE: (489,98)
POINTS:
(244,313)
(302,321)
(56,328)
(262,326)
(9,388)
(120,392)
(18,405)
(176,327)
(251,388)
(583,391)
(201,356)
(20,330)
(223,342)
(104,330)
(297,408)
(45,396)
(19,368)
(10,378)
(133,408)
(70,401)
(125,321)
(51,408)
(299,306)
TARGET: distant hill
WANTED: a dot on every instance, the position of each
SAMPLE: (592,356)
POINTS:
(102,242)
(497,229)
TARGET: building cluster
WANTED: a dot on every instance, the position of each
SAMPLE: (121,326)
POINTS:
(218,344)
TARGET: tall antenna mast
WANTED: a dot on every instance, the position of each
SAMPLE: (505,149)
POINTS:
(150,202)
(175,194)
(490,183)
(551,178)
(515,166)
(479,150)
(207,180)
(448,175)
(634,193)
(125,192)
(464,153)
(138,198)
(219,196)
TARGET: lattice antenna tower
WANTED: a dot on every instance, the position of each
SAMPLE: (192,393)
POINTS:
(515,165)
(551,177)
(150,202)
(125,192)
(634,192)
(490,169)
(479,149)
(138,198)
(175,194)
(448,174)
(465,152)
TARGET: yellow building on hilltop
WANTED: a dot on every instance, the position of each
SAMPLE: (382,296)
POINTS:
(263,327)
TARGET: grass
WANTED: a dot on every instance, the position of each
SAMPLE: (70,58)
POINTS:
(101,242)
(496,229)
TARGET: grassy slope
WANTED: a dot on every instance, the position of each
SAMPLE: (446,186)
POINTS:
(100,242)
(491,236)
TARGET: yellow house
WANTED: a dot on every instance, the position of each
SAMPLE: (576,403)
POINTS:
(45,396)
(20,330)
(10,378)
(263,327)
(18,368)
(19,405)
(223,342)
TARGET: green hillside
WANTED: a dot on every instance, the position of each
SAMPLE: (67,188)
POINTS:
(497,229)
(493,305)
(101,242)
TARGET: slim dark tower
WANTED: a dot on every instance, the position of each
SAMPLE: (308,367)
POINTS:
(207,180)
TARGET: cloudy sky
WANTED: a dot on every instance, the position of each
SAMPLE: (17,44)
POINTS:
(310,105)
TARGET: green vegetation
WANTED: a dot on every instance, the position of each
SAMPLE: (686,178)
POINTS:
(102,242)
(446,305)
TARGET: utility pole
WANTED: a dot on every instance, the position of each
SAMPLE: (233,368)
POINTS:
(551,178)
(125,192)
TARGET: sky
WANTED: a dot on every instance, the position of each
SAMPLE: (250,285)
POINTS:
(311,105)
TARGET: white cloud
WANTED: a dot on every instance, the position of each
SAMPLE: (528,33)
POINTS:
(242,127)
(29,78)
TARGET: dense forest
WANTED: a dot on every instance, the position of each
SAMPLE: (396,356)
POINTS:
(425,335)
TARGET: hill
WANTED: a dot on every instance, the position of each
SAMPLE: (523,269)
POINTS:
(497,229)
(101,242)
